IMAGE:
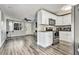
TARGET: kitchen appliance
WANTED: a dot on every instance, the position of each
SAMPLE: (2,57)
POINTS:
(56,37)
(51,22)
(55,34)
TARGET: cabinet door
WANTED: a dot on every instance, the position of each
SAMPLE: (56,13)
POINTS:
(69,19)
(63,36)
(45,17)
(50,35)
(39,17)
(69,35)
(40,40)
(48,38)
(53,16)
(59,20)
(66,19)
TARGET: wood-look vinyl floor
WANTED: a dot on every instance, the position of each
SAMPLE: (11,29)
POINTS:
(26,45)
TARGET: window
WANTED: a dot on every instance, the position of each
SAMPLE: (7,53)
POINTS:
(17,26)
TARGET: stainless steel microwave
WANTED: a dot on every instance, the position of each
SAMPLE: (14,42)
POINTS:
(51,21)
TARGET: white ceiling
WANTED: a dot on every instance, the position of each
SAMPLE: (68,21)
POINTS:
(27,10)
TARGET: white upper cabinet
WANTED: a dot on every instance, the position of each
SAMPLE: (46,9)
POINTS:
(69,19)
(59,20)
(53,16)
(39,17)
(44,16)
(63,20)
(66,19)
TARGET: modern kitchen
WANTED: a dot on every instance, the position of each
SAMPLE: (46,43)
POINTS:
(53,29)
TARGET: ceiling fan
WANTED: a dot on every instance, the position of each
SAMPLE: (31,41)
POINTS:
(27,19)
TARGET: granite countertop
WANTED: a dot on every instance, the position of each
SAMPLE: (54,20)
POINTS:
(45,31)
(64,31)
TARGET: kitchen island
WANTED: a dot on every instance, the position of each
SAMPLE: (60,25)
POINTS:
(44,38)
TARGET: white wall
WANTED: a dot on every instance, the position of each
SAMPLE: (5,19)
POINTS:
(2,28)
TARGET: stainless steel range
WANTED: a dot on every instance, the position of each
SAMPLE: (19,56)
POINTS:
(56,37)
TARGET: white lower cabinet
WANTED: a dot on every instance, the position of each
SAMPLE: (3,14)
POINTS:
(44,39)
(65,36)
